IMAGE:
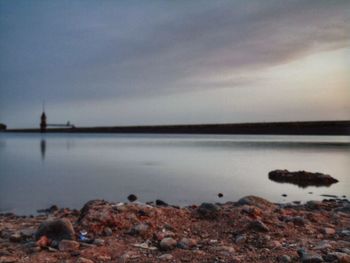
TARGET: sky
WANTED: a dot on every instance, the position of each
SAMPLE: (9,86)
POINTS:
(109,63)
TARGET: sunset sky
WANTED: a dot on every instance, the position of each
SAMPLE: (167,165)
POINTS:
(170,62)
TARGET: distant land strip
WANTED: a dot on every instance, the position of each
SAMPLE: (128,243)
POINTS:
(272,128)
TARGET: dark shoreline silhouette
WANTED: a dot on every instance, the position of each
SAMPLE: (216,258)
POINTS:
(272,128)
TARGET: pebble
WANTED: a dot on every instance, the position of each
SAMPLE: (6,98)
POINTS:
(328,231)
(132,198)
(98,242)
(108,231)
(16,237)
(220,195)
(187,243)
(240,239)
(68,245)
(139,229)
(309,258)
(58,229)
(258,225)
(285,259)
(337,256)
(8,259)
(84,260)
(161,203)
(166,257)
(43,241)
(167,243)
(208,210)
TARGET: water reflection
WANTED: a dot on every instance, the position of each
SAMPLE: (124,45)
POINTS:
(180,170)
(43,149)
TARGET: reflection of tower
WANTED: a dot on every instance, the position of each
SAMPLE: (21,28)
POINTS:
(43,123)
(43,148)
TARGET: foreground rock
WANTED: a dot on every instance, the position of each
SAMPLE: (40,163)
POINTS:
(250,230)
(56,230)
(302,178)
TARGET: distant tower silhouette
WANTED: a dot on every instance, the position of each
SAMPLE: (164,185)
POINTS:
(43,123)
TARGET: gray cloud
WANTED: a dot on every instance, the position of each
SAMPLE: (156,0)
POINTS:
(63,51)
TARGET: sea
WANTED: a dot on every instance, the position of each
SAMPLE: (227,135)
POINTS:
(67,170)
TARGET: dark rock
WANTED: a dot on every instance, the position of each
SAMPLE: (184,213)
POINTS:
(132,198)
(108,231)
(49,210)
(208,210)
(284,195)
(220,195)
(259,226)
(285,259)
(302,178)
(56,230)
(313,205)
(338,256)
(161,203)
(187,243)
(167,243)
(309,258)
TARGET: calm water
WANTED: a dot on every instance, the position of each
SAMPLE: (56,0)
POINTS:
(37,171)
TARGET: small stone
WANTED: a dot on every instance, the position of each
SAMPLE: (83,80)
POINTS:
(27,233)
(8,259)
(166,257)
(345,233)
(140,229)
(328,231)
(161,235)
(258,225)
(208,211)
(84,260)
(309,258)
(43,241)
(285,259)
(132,198)
(275,244)
(108,231)
(337,256)
(256,201)
(58,229)
(284,195)
(16,237)
(187,243)
(68,245)
(98,242)
(296,220)
(322,245)
(220,195)
(161,203)
(167,243)
(240,239)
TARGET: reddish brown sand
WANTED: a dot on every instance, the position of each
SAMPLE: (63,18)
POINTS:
(252,230)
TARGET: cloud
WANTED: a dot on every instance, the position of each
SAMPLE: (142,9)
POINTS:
(63,51)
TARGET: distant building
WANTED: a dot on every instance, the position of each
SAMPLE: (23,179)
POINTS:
(2,127)
(43,123)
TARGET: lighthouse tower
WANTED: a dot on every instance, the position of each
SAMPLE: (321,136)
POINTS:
(43,118)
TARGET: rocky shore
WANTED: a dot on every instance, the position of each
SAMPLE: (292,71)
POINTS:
(249,230)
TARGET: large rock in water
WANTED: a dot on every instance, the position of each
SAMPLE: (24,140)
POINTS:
(302,178)
(58,229)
